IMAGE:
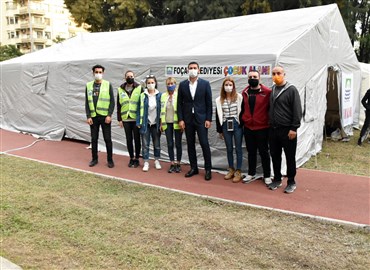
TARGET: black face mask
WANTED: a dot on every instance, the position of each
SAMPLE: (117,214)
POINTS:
(130,80)
(253,82)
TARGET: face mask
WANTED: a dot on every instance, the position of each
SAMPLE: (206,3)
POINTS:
(278,80)
(193,73)
(171,87)
(98,76)
(150,86)
(130,80)
(253,82)
(228,89)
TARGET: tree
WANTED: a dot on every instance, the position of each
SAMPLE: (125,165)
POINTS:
(8,52)
(108,15)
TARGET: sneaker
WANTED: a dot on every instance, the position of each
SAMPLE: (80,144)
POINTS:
(237,176)
(157,164)
(136,163)
(178,168)
(274,185)
(290,188)
(172,168)
(230,174)
(249,178)
(267,180)
(146,166)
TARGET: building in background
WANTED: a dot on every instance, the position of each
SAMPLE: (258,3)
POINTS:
(32,25)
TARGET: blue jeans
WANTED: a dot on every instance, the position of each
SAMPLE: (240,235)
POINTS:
(170,145)
(238,138)
(153,132)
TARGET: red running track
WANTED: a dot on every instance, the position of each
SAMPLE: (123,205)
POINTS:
(324,195)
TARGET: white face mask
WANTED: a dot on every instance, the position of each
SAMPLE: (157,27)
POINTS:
(98,76)
(228,89)
(150,86)
(193,73)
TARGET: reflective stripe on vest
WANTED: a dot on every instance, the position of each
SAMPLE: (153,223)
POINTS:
(129,105)
(164,100)
(102,106)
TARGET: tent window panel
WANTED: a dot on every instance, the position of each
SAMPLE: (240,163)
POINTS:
(39,79)
(309,102)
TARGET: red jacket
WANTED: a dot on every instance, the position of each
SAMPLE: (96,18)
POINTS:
(260,118)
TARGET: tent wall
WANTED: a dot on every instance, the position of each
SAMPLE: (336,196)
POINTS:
(43,93)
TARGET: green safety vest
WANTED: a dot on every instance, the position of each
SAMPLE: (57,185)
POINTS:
(129,105)
(164,100)
(102,105)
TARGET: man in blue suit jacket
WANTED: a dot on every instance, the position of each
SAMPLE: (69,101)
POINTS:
(194,108)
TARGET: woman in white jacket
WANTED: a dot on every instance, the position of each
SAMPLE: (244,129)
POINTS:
(228,107)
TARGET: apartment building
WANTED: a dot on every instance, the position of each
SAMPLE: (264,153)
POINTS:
(32,25)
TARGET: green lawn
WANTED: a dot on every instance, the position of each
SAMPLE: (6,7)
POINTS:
(55,218)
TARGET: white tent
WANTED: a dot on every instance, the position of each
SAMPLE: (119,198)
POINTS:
(42,93)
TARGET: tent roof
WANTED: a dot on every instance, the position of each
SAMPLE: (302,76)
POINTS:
(258,34)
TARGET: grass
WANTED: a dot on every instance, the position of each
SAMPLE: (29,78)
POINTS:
(343,157)
(55,218)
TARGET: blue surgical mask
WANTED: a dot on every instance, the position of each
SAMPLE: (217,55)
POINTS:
(171,87)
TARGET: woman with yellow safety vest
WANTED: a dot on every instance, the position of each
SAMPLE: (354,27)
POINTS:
(170,124)
(128,98)
(148,121)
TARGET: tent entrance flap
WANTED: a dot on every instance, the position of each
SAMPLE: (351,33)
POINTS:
(332,116)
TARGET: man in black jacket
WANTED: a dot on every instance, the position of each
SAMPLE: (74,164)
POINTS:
(285,118)
(366,103)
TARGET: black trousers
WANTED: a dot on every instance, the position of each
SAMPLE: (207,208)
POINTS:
(279,140)
(106,128)
(190,129)
(132,134)
(258,140)
(366,123)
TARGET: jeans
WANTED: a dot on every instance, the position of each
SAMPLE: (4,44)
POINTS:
(94,130)
(279,140)
(153,132)
(170,144)
(258,140)
(132,134)
(228,137)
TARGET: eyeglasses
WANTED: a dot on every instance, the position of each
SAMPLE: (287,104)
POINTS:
(150,76)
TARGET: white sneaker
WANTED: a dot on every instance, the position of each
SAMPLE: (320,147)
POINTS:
(268,181)
(146,166)
(249,178)
(157,164)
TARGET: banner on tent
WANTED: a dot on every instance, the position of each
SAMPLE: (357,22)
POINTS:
(347,98)
(217,71)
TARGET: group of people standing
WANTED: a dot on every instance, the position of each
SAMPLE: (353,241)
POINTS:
(267,118)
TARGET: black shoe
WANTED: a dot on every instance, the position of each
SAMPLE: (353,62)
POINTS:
(290,188)
(275,185)
(208,176)
(178,168)
(136,163)
(131,163)
(110,164)
(93,162)
(172,168)
(192,172)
